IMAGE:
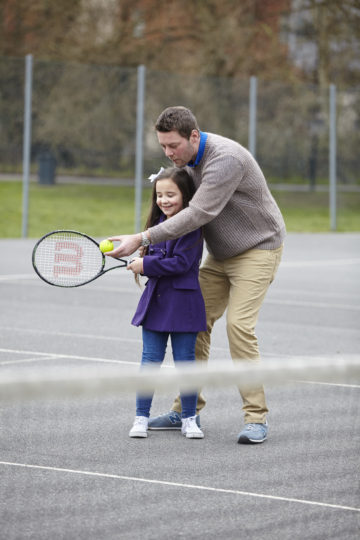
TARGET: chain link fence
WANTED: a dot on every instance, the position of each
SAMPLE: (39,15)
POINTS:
(86,116)
(84,119)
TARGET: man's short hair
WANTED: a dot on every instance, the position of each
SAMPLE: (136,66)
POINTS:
(178,119)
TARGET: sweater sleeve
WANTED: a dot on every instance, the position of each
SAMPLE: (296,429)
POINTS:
(220,179)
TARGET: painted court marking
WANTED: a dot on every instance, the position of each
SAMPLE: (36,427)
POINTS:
(26,360)
(307,304)
(16,277)
(291,302)
(55,356)
(284,264)
(330,384)
(329,262)
(180,485)
(97,337)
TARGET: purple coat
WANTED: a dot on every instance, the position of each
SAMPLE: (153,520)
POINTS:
(172,299)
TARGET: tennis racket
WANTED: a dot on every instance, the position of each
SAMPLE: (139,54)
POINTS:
(69,259)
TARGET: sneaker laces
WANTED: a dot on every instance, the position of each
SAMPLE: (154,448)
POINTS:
(140,421)
(190,422)
(254,427)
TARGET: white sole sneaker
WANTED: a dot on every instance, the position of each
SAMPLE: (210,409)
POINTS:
(190,428)
(140,427)
(190,435)
(138,434)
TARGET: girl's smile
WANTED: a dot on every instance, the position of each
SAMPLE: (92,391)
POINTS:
(168,197)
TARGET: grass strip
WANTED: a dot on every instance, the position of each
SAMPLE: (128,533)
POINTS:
(102,211)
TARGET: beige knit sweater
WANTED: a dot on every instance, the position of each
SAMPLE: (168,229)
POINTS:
(232,202)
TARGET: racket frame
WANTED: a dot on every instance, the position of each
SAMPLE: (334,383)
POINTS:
(102,271)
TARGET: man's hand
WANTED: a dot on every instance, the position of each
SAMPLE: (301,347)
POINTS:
(128,244)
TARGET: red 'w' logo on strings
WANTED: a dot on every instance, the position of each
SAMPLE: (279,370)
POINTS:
(68,257)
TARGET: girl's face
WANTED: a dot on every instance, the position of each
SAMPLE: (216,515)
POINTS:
(168,197)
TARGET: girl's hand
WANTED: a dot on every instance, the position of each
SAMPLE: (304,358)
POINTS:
(136,265)
(142,251)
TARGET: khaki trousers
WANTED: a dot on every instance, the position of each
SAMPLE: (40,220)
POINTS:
(239,284)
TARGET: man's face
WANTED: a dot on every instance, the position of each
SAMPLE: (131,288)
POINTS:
(178,149)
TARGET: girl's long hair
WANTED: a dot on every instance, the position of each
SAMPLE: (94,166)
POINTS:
(187,188)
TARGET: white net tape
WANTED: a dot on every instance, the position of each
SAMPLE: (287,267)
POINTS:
(64,382)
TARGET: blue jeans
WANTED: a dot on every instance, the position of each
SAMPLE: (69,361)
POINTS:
(154,348)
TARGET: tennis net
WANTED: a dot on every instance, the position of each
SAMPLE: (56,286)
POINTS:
(57,382)
(67,463)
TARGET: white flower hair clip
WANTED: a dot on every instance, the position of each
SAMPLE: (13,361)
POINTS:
(153,177)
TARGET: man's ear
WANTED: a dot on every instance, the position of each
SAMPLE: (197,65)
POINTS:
(194,136)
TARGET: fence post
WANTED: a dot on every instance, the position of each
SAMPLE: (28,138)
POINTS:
(27,142)
(252,115)
(140,105)
(332,156)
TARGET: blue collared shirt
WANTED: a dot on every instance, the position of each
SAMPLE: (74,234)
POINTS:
(203,138)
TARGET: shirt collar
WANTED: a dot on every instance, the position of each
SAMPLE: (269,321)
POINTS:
(203,137)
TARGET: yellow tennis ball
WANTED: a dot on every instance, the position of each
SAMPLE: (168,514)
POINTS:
(106,245)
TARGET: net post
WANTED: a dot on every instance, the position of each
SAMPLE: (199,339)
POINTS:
(27,141)
(252,115)
(140,105)
(332,156)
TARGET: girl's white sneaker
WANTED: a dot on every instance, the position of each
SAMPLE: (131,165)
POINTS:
(190,428)
(140,427)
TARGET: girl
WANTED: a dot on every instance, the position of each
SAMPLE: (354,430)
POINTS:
(172,303)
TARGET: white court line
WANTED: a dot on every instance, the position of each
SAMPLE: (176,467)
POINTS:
(121,339)
(15,277)
(97,337)
(34,277)
(304,326)
(276,290)
(113,338)
(329,262)
(69,357)
(26,360)
(70,334)
(302,303)
(55,356)
(296,303)
(330,384)
(181,485)
(284,264)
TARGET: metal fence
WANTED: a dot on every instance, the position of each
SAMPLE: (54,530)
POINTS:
(95,120)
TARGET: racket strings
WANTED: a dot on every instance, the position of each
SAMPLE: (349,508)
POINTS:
(68,259)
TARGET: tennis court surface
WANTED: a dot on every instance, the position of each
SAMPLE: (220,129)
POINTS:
(68,469)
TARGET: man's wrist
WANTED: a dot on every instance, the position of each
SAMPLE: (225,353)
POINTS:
(145,240)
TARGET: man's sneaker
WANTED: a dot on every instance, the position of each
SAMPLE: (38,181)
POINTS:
(253,433)
(170,420)
(190,428)
(140,427)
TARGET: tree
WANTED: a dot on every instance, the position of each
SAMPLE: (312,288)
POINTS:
(41,27)
(221,38)
(329,32)
(213,37)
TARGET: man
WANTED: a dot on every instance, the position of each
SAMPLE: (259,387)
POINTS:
(244,232)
